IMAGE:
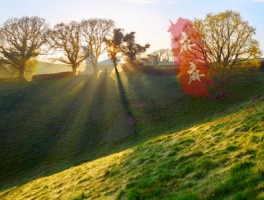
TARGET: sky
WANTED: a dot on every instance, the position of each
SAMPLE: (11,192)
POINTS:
(148,18)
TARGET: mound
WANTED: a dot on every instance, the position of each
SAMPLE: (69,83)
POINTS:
(170,146)
(216,160)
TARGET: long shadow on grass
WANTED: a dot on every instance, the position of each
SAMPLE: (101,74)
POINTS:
(26,129)
(166,109)
(21,106)
(34,131)
(73,124)
(156,102)
(132,121)
(79,122)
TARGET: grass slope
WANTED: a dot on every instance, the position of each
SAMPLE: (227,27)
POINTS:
(222,159)
(49,126)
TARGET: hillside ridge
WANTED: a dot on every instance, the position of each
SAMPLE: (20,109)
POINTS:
(218,159)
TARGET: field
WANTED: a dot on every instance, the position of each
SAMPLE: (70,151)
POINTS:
(50,68)
(133,136)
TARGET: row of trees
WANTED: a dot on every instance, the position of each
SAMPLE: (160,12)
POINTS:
(227,41)
(158,56)
(23,39)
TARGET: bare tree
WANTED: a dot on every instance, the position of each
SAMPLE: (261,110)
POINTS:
(161,55)
(21,40)
(226,41)
(114,46)
(66,39)
(168,55)
(94,31)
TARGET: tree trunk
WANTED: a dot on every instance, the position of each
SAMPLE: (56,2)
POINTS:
(21,76)
(116,71)
(74,70)
(219,81)
(95,67)
(115,65)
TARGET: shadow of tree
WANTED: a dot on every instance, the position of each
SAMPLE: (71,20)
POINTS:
(131,120)
(61,123)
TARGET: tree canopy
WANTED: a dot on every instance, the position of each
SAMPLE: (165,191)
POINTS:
(94,31)
(114,46)
(226,41)
(21,40)
(66,39)
(131,49)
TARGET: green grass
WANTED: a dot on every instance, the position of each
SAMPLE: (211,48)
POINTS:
(208,149)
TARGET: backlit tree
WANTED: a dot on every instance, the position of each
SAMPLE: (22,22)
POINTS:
(21,40)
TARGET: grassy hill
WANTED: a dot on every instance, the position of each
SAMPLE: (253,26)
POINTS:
(208,149)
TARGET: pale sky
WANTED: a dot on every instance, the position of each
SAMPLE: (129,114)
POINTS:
(148,18)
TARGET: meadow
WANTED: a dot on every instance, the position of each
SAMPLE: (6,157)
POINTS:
(131,136)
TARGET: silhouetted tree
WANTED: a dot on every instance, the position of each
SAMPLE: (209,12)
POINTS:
(94,31)
(131,49)
(66,39)
(113,46)
(21,40)
(226,42)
